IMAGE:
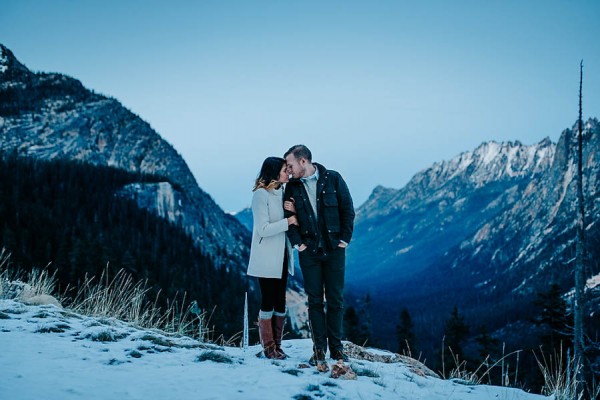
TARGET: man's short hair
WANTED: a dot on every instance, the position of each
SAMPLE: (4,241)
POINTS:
(299,151)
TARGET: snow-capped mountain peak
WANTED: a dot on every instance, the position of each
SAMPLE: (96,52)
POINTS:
(10,67)
(491,161)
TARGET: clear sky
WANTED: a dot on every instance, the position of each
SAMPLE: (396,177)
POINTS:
(378,90)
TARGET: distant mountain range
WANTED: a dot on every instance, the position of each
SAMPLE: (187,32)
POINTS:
(484,231)
(245,217)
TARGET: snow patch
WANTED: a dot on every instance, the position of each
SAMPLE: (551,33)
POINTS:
(568,177)
(165,201)
(3,61)
(483,234)
(54,354)
(404,250)
(593,282)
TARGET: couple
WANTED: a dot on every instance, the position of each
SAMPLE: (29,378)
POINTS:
(314,214)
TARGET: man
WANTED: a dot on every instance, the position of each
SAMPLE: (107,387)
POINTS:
(325,215)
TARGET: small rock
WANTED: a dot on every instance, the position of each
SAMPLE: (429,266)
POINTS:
(342,371)
(42,299)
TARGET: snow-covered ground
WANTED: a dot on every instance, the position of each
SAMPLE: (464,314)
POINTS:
(50,353)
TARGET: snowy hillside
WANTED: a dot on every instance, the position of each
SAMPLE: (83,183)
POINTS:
(50,353)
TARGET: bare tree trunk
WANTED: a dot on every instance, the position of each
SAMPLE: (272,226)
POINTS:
(579,251)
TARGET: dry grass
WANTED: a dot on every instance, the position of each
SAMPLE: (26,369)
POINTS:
(14,286)
(119,297)
(123,298)
(482,374)
(4,277)
(560,378)
(41,282)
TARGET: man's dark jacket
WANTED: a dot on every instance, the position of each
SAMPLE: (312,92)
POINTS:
(334,208)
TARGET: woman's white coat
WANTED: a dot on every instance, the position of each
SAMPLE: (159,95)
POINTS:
(269,239)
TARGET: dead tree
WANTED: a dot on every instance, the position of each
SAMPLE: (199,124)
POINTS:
(579,251)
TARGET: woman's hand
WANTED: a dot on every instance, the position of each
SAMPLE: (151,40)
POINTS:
(289,205)
(292,220)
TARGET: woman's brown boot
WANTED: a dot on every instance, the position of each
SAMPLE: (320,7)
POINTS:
(265,331)
(278,325)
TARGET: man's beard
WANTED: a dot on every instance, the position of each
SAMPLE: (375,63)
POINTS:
(303,173)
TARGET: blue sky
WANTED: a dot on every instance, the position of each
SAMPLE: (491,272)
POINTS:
(379,90)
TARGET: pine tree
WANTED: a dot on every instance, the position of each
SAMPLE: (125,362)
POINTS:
(365,320)
(405,334)
(357,322)
(554,319)
(488,345)
(455,333)
(351,325)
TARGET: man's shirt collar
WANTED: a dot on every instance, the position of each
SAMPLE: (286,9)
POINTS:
(314,176)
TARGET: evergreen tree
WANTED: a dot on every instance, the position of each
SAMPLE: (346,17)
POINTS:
(455,333)
(554,319)
(365,320)
(357,322)
(488,346)
(405,334)
(351,325)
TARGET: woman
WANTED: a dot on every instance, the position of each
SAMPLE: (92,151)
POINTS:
(271,253)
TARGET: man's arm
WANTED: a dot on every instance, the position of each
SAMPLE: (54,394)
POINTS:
(346,210)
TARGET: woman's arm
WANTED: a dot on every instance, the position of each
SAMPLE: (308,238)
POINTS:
(260,215)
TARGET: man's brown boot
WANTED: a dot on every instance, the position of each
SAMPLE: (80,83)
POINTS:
(318,360)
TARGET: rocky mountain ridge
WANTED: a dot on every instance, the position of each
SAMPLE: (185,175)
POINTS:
(486,229)
(50,116)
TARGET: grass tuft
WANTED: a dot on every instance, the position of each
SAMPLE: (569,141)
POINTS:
(58,328)
(135,354)
(302,397)
(215,356)
(561,377)
(361,371)
(106,335)
(122,298)
(313,388)
(292,371)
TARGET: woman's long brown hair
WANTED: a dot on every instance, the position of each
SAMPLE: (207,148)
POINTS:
(269,174)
